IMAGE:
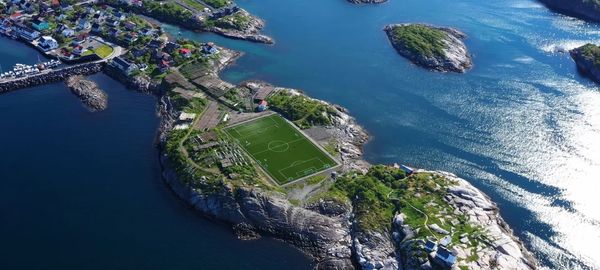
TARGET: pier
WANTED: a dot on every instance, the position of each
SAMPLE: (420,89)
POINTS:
(51,76)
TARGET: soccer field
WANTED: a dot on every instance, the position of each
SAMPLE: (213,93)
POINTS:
(280,149)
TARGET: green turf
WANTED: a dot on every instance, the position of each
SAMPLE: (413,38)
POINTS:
(280,149)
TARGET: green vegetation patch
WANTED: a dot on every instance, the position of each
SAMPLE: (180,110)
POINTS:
(420,39)
(303,111)
(280,149)
(103,51)
(591,52)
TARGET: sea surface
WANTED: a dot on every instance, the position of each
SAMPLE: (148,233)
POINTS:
(523,125)
(83,190)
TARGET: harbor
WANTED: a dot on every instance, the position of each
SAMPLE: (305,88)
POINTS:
(22,70)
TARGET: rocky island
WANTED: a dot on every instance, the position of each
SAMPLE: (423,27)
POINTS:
(88,91)
(587,58)
(583,9)
(350,216)
(434,48)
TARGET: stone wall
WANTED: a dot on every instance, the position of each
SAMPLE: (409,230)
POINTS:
(51,77)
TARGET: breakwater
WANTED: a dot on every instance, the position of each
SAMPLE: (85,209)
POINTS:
(51,76)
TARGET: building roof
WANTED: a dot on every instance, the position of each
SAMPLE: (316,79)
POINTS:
(430,245)
(121,62)
(445,255)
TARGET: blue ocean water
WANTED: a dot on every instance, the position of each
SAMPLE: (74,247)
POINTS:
(522,125)
(82,190)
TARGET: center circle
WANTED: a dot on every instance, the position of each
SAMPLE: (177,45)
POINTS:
(278,146)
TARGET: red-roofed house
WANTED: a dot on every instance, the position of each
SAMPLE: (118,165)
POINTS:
(185,52)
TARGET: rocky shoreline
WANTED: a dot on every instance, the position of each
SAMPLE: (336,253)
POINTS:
(585,58)
(582,9)
(89,93)
(449,53)
(328,230)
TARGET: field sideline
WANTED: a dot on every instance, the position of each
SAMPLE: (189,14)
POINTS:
(280,149)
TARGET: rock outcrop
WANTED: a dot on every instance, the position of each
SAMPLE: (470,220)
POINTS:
(325,238)
(586,58)
(249,30)
(583,9)
(435,48)
(88,92)
(502,250)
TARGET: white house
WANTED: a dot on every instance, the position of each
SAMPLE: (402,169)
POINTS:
(68,32)
(48,43)
(84,24)
(124,65)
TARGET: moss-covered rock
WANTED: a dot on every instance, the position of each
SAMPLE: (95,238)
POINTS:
(435,48)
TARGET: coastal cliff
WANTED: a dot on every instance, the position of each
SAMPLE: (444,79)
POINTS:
(582,9)
(587,59)
(361,219)
(434,48)
(89,93)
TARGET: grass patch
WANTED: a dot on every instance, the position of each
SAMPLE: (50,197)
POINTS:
(281,150)
(303,111)
(420,39)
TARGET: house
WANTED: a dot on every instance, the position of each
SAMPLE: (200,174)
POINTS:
(26,32)
(114,32)
(130,25)
(447,240)
(139,52)
(48,43)
(67,32)
(185,52)
(39,24)
(148,31)
(430,246)
(262,106)
(78,49)
(131,37)
(445,256)
(170,47)
(406,169)
(112,22)
(96,28)
(164,66)
(187,116)
(61,17)
(124,66)
(209,48)
(98,17)
(119,16)
(15,16)
(81,38)
(156,44)
(83,24)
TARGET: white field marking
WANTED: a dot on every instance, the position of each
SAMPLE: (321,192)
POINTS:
(308,171)
(254,133)
(296,163)
(289,143)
